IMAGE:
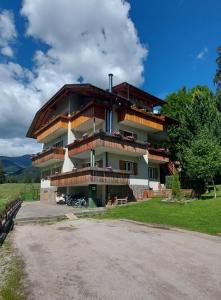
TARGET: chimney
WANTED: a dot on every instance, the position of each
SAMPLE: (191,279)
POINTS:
(110,82)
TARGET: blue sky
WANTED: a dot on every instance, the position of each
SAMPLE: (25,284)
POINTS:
(176,32)
(160,46)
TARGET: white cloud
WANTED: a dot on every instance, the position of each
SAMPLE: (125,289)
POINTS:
(7,32)
(202,53)
(18,146)
(87,38)
(18,100)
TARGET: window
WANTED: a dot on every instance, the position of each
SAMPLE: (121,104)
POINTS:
(98,163)
(45,174)
(58,144)
(56,170)
(153,173)
(129,166)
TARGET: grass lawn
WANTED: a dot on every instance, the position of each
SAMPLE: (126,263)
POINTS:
(11,191)
(200,215)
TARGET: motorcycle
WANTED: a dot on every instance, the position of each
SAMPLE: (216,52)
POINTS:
(80,202)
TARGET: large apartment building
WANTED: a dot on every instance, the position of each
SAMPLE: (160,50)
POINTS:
(101,143)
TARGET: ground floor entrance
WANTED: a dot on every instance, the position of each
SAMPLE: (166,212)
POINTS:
(101,195)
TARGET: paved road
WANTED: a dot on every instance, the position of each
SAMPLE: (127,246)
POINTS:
(37,209)
(89,259)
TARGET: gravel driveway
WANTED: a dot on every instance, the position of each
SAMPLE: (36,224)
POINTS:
(89,259)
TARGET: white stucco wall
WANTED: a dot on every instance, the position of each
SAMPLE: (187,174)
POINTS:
(45,183)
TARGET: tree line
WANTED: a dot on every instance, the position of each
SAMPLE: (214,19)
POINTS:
(26,177)
(196,141)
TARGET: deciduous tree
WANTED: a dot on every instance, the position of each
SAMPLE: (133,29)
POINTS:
(202,159)
(217,78)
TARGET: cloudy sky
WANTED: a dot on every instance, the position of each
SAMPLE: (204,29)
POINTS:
(158,45)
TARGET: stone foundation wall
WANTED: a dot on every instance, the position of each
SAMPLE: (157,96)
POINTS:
(48,195)
(133,192)
(138,191)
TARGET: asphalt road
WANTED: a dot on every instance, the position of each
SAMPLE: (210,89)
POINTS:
(89,259)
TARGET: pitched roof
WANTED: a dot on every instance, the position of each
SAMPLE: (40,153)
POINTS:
(130,90)
(87,89)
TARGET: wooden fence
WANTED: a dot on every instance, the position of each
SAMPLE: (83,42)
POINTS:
(7,218)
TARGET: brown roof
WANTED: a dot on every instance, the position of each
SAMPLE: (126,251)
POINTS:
(87,90)
(131,90)
(82,89)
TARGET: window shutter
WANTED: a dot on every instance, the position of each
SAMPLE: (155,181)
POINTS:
(122,165)
(135,168)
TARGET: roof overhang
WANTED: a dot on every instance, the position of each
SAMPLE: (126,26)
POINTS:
(89,90)
(129,89)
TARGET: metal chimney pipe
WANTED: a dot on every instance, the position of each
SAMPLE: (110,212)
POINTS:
(110,82)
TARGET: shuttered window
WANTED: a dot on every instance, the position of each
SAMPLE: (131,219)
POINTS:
(128,166)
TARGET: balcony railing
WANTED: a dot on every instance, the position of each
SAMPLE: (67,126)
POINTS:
(104,142)
(158,154)
(48,156)
(52,129)
(144,120)
(84,119)
(91,175)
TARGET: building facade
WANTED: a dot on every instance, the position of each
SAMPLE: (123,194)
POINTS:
(100,143)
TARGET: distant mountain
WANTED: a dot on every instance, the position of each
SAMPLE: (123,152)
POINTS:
(13,165)
(19,166)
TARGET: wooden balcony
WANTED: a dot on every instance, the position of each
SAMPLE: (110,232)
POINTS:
(158,155)
(142,120)
(91,115)
(50,156)
(90,175)
(53,129)
(103,142)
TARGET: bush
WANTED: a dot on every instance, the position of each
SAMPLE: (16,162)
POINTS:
(173,183)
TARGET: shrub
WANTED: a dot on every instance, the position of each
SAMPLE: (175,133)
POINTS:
(173,183)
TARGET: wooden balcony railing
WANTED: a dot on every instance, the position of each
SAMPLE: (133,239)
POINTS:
(87,115)
(141,119)
(109,143)
(49,156)
(54,127)
(91,175)
(158,154)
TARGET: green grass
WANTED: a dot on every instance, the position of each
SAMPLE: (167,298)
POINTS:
(11,285)
(199,215)
(11,191)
